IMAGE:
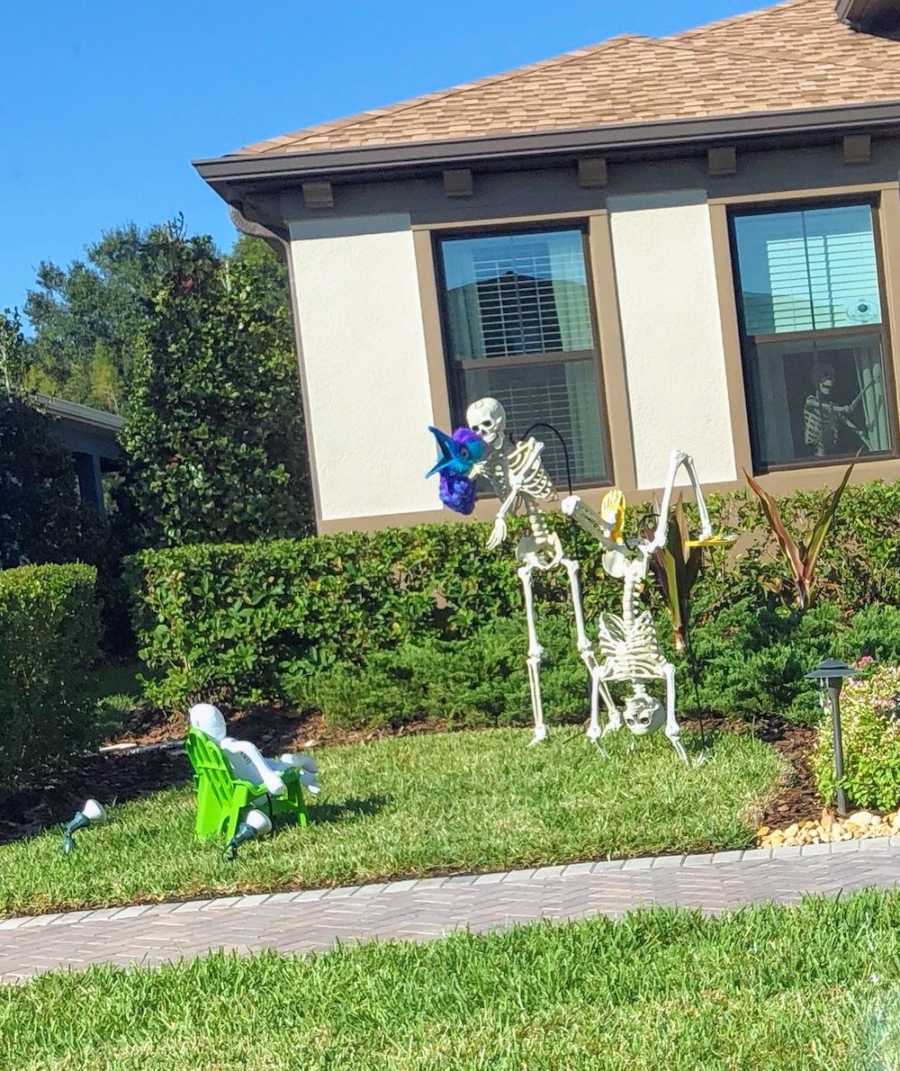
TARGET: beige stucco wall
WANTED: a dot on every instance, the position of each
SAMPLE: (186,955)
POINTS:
(367,397)
(672,336)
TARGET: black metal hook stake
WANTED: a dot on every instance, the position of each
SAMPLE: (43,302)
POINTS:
(562,443)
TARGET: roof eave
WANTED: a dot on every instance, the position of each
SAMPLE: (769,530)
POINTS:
(356,161)
(869,16)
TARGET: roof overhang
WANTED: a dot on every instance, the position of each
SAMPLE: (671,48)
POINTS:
(870,16)
(416,158)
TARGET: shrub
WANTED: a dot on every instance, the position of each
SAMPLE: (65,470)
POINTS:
(48,647)
(478,681)
(41,518)
(870,722)
(230,619)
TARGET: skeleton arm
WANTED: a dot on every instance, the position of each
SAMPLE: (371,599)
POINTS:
(517,479)
(267,776)
(660,537)
(589,522)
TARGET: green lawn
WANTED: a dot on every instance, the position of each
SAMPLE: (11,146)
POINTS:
(412,806)
(793,989)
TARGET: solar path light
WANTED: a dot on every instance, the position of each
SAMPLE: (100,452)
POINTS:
(91,812)
(829,675)
(255,824)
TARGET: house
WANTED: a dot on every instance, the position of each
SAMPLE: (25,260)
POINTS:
(91,436)
(690,241)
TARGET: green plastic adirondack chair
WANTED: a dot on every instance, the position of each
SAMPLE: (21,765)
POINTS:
(221,797)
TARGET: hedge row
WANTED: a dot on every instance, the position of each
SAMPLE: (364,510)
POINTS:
(234,620)
(49,633)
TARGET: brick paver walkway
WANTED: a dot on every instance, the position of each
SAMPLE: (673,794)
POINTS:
(429,908)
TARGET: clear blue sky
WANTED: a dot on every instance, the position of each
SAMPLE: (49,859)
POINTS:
(103,104)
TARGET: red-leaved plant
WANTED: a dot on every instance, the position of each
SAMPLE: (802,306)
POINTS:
(801,557)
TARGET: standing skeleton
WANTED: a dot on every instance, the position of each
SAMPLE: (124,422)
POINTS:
(628,643)
(518,478)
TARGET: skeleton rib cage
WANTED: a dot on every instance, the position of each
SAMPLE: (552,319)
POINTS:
(630,651)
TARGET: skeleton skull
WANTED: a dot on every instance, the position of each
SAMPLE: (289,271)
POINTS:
(643,714)
(487,418)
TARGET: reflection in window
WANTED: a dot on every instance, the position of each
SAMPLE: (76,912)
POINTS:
(519,329)
(813,338)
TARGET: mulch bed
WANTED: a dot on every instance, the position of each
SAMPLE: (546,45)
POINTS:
(119,775)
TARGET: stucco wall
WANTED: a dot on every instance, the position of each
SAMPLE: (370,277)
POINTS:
(367,400)
(674,356)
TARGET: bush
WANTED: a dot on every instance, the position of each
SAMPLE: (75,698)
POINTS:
(479,681)
(48,646)
(230,619)
(870,722)
(213,425)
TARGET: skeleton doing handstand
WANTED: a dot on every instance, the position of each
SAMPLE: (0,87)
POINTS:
(518,478)
(628,643)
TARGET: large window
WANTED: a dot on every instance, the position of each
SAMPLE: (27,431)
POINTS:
(518,328)
(813,335)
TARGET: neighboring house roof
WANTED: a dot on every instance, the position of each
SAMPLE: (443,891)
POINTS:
(82,428)
(794,56)
(76,413)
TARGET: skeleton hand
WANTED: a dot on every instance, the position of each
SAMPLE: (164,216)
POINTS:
(498,534)
(478,469)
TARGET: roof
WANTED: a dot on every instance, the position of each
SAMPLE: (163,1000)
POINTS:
(795,56)
(95,419)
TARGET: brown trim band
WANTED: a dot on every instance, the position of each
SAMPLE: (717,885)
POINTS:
(776,483)
(437,155)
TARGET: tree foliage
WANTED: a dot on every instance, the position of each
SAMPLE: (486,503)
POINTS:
(213,426)
(41,518)
(87,320)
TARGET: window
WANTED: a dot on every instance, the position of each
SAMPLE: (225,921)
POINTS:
(518,328)
(813,335)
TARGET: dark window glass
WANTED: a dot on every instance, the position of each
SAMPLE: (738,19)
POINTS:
(813,338)
(518,322)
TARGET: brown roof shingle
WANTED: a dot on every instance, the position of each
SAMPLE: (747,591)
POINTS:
(794,55)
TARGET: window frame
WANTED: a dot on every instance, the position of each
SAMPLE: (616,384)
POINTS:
(747,341)
(455,370)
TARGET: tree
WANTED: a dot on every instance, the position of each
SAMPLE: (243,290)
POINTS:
(213,418)
(13,348)
(41,517)
(86,320)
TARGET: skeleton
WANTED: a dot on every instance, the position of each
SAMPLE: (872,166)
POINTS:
(628,644)
(518,478)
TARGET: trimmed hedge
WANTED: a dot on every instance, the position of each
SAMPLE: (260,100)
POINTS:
(235,621)
(49,633)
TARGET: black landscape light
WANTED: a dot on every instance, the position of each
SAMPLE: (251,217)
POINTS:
(830,674)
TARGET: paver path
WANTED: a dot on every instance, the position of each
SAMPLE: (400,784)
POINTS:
(429,908)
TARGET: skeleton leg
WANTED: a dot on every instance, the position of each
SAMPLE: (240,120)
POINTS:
(705,526)
(535,651)
(586,652)
(672,729)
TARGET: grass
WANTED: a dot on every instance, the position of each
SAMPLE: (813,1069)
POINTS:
(441,803)
(117,692)
(810,987)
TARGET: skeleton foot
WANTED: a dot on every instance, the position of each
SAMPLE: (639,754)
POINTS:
(679,748)
(539,734)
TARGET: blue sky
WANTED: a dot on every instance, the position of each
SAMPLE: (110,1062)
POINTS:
(103,104)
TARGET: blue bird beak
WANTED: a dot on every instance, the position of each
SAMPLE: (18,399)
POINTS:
(447,452)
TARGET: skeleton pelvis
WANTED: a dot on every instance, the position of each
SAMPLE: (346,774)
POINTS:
(542,553)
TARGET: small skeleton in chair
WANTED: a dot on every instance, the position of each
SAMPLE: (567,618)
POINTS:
(518,478)
(628,643)
(246,760)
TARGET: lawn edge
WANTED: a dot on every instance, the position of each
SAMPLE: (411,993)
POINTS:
(747,856)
